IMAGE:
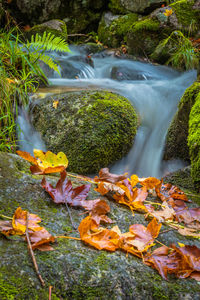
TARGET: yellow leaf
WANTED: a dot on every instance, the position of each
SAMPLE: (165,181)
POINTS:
(49,159)
(55,104)
(181,245)
(168,12)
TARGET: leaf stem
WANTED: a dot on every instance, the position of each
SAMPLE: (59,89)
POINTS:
(67,237)
(82,178)
(9,218)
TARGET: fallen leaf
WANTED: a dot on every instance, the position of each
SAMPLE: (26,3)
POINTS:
(64,192)
(55,104)
(168,12)
(105,175)
(45,162)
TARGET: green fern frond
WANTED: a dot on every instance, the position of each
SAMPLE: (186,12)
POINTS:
(48,42)
(48,61)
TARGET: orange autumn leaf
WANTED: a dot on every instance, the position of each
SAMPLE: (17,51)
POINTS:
(99,238)
(165,213)
(149,182)
(105,175)
(45,162)
(38,235)
(19,222)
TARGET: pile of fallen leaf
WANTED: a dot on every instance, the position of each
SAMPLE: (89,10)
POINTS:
(170,209)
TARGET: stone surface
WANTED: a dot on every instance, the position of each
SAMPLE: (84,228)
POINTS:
(94,129)
(137,6)
(74,270)
(176,140)
(79,15)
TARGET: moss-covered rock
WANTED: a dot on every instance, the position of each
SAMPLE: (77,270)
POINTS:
(56,27)
(94,129)
(74,270)
(113,30)
(194,141)
(176,140)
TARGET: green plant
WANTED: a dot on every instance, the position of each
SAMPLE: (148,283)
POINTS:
(180,50)
(20,72)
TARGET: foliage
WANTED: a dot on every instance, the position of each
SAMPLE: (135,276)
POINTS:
(45,162)
(182,54)
(20,73)
(182,261)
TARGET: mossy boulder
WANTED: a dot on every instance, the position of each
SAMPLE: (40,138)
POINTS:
(74,270)
(194,141)
(176,140)
(113,29)
(94,129)
(56,27)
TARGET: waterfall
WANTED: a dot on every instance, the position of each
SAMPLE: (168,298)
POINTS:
(153,90)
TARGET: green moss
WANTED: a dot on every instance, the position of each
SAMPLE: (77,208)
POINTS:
(96,129)
(116,34)
(60,31)
(176,140)
(146,24)
(116,7)
(194,140)
(185,14)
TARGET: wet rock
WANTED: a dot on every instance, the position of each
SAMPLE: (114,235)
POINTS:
(75,270)
(94,129)
(125,73)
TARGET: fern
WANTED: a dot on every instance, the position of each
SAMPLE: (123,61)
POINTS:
(48,42)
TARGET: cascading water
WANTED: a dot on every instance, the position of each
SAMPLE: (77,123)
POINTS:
(153,90)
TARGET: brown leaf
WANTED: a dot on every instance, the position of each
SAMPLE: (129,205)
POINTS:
(166,213)
(105,175)
(150,182)
(64,192)
(39,238)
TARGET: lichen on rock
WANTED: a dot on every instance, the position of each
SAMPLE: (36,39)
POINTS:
(94,129)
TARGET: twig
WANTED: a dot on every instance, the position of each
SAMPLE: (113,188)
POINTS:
(163,244)
(70,216)
(50,289)
(67,237)
(5,217)
(167,230)
(155,203)
(77,34)
(31,252)
(82,178)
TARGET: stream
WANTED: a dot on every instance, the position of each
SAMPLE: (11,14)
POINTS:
(153,90)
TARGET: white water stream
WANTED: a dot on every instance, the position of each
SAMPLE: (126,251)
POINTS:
(153,90)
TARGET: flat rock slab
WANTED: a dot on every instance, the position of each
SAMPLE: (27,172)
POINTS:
(74,270)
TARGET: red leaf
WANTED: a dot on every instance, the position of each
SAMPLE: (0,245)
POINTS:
(105,175)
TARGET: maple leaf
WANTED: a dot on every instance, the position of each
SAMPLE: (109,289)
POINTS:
(45,162)
(166,213)
(39,236)
(97,237)
(149,182)
(105,175)
(163,260)
(64,192)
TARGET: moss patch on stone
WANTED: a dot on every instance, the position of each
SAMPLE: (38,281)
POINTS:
(94,129)
(116,7)
(56,27)
(194,141)
(146,24)
(185,14)
(115,34)
(176,140)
